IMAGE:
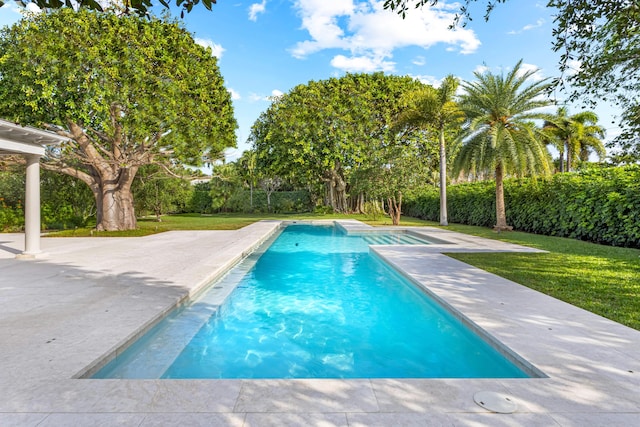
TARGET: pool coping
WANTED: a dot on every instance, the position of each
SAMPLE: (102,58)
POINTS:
(69,308)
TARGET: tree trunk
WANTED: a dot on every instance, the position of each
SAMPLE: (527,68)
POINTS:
(157,205)
(443,181)
(115,202)
(395,208)
(251,196)
(501,216)
(112,194)
(569,159)
(336,191)
(561,160)
(109,179)
(357,204)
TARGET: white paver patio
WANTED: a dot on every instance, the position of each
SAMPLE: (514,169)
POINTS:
(62,314)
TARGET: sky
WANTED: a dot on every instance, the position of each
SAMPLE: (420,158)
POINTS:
(266,48)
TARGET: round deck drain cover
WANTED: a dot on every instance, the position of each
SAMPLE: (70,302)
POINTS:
(495,402)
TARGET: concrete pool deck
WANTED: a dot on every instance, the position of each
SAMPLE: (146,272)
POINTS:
(61,314)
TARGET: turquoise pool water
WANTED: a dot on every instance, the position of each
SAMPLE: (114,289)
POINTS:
(315,304)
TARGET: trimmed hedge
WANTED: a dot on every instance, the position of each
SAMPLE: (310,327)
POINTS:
(600,205)
(281,202)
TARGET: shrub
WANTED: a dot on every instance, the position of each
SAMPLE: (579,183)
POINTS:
(600,205)
(65,201)
(373,210)
(11,218)
(281,201)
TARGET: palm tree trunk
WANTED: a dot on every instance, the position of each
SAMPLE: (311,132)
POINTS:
(251,196)
(443,181)
(501,216)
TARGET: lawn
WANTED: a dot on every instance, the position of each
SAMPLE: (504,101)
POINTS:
(602,279)
(222,221)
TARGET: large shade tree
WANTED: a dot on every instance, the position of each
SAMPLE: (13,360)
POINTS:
(502,139)
(435,109)
(127,91)
(318,133)
(139,7)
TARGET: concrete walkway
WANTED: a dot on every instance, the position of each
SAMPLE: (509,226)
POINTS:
(61,315)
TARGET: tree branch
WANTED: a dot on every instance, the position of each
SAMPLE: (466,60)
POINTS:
(87,149)
(114,112)
(58,166)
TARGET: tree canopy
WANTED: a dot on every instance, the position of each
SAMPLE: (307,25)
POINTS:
(600,45)
(127,91)
(402,7)
(599,42)
(576,136)
(139,7)
(320,132)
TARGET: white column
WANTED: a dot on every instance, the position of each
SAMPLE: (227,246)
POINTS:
(32,207)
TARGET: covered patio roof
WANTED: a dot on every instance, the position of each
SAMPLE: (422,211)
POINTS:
(30,143)
(16,139)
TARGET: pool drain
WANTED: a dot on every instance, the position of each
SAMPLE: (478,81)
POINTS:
(495,402)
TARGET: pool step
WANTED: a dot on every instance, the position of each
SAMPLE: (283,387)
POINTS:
(392,239)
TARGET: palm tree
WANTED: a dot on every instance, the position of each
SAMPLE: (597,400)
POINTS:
(435,109)
(575,135)
(501,136)
(592,142)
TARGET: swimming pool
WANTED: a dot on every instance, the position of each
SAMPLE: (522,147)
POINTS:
(314,304)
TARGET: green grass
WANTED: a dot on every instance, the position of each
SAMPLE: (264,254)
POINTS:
(147,226)
(602,279)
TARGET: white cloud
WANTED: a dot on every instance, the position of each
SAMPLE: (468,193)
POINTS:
(365,64)
(234,95)
(320,19)
(419,61)
(574,67)
(524,68)
(536,76)
(12,7)
(370,34)
(255,97)
(481,69)
(255,9)
(429,80)
(539,23)
(216,49)
(33,8)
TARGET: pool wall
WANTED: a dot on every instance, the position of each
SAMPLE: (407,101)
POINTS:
(248,239)
(356,228)
(505,351)
(588,358)
(349,227)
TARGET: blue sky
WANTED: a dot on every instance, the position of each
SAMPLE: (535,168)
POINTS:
(266,48)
